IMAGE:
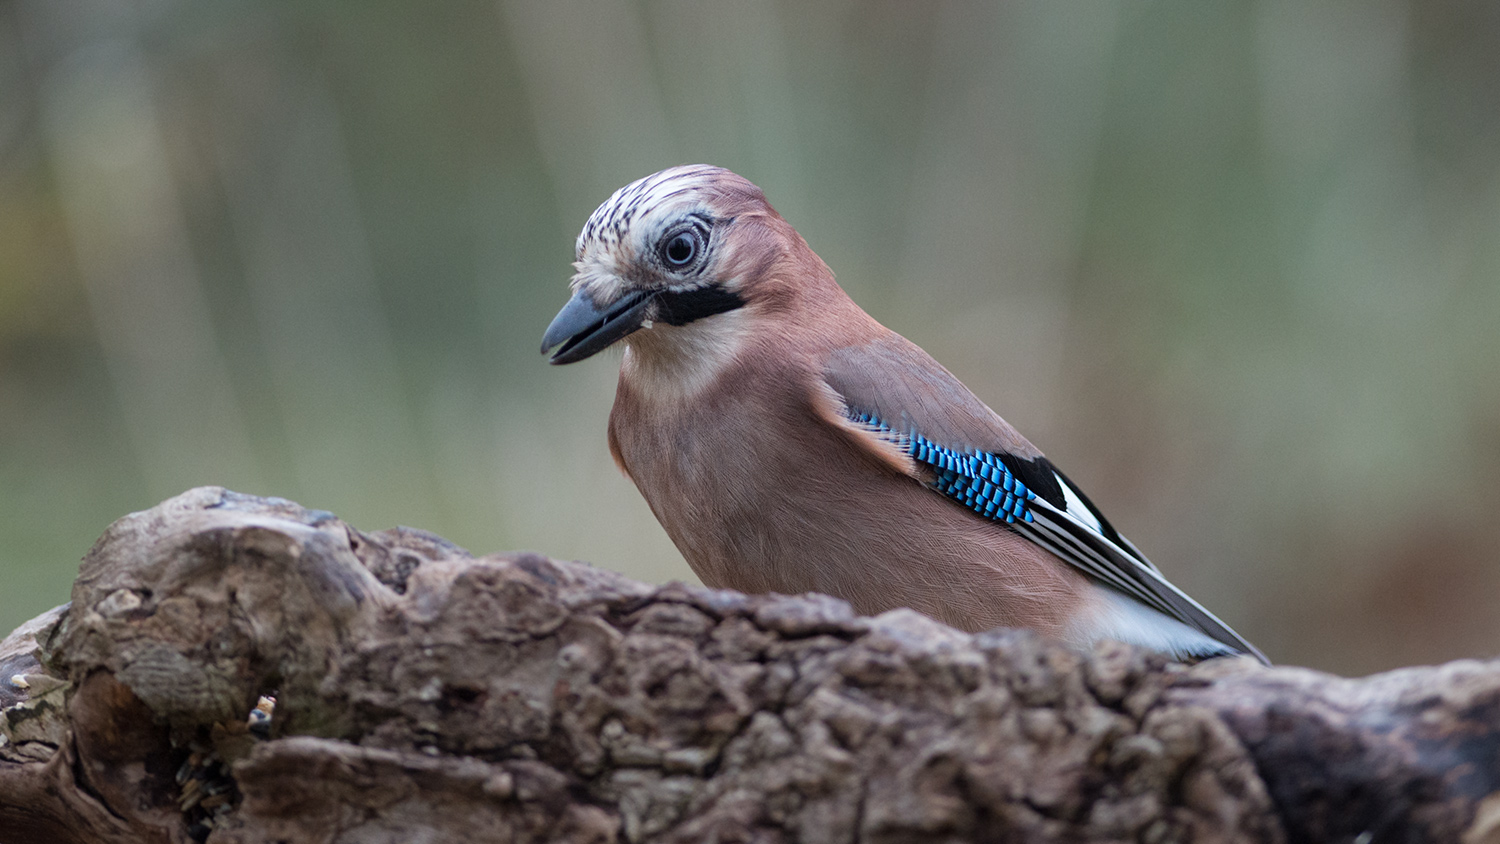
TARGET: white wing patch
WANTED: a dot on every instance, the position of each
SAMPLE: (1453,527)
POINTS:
(1076,508)
(1074,541)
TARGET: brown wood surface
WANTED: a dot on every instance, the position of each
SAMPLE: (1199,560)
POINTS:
(427,695)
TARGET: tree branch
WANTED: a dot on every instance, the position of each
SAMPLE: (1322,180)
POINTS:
(423,694)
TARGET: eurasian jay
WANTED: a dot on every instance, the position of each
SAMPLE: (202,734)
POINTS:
(788,442)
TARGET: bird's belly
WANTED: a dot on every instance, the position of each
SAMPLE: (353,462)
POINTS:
(820,516)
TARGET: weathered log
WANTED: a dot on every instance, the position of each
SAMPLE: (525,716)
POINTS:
(423,694)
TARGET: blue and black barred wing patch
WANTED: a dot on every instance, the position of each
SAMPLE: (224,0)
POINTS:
(976,479)
(1035,500)
(986,484)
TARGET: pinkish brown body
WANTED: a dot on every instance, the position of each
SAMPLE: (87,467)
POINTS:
(735,416)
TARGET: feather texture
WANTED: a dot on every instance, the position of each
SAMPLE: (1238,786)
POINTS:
(788,442)
(1064,523)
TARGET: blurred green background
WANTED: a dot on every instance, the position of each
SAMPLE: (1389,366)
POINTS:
(1234,266)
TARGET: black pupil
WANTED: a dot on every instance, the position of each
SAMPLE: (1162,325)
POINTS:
(680,249)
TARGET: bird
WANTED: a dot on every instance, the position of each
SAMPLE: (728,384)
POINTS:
(788,442)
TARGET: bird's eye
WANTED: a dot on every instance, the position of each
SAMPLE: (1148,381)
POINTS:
(680,249)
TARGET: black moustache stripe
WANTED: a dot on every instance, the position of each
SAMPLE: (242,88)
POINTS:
(685,306)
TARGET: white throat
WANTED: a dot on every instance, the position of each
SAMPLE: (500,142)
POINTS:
(672,364)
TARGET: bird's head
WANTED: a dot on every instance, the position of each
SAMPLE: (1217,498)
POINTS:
(680,247)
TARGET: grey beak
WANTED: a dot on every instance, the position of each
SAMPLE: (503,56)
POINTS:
(583,329)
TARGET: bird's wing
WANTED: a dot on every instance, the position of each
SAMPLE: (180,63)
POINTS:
(911,413)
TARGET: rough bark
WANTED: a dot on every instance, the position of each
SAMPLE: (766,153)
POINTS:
(426,695)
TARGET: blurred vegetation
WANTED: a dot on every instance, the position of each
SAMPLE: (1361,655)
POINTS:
(1234,266)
